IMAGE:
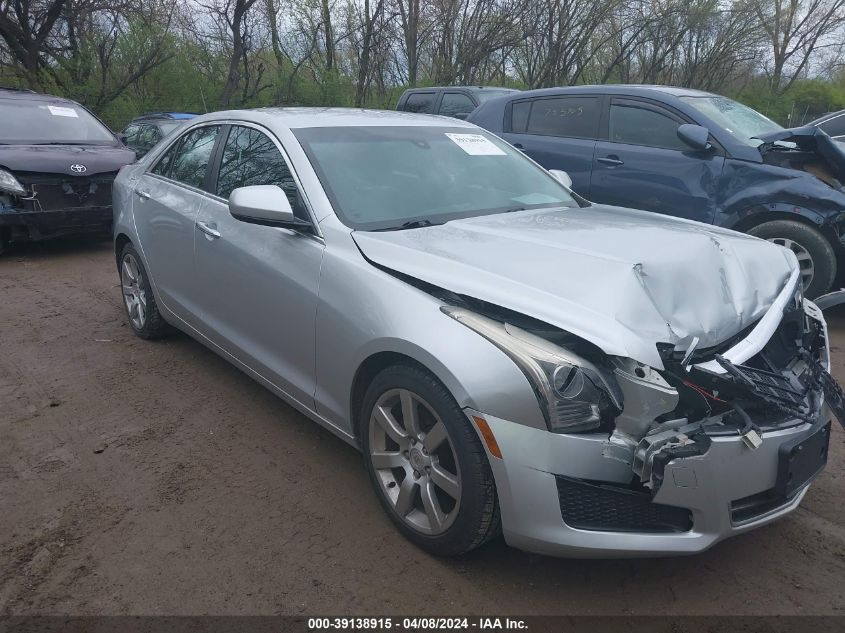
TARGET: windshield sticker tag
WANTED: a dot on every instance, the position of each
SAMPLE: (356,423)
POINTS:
(475,144)
(60,111)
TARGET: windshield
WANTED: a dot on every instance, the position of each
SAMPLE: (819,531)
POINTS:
(385,177)
(37,122)
(739,120)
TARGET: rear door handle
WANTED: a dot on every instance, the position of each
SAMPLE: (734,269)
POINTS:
(611,160)
(143,195)
(210,229)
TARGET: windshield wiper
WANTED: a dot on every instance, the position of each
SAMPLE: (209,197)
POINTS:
(412,224)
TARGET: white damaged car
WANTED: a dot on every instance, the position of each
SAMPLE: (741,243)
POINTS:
(589,380)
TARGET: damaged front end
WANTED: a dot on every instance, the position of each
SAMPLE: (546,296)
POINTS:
(35,206)
(744,388)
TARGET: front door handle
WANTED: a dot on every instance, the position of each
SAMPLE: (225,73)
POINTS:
(143,195)
(209,228)
(612,159)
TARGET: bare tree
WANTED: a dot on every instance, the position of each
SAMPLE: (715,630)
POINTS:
(796,30)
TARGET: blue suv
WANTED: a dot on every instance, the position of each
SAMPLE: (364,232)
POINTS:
(689,154)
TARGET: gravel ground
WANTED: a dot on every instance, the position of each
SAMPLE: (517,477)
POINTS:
(155,478)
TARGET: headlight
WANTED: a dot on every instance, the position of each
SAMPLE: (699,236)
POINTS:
(571,391)
(10,184)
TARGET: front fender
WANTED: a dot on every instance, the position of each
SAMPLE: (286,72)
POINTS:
(365,311)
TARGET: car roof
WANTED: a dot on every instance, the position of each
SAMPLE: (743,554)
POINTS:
(300,117)
(169,116)
(23,94)
(826,116)
(620,89)
(470,88)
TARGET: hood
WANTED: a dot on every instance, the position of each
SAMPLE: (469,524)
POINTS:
(624,280)
(57,159)
(810,139)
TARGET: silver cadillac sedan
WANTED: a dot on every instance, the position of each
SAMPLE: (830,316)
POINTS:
(586,380)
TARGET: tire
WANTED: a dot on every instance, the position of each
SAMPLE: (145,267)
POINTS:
(138,299)
(436,521)
(815,253)
(4,239)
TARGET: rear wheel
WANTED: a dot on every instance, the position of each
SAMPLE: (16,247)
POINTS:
(144,318)
(426,463)
(814,252)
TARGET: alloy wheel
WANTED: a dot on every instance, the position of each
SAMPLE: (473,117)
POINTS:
(134,295)
(415,461)
(805,260)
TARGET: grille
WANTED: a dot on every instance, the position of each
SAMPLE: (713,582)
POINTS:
(592,506)
(773,387)
(65,192)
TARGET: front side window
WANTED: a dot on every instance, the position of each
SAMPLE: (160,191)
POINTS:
(381,178)
(575,117)
(251,158)
(455,103)
(834,126)
(190,162)
(643,126)
(422,102)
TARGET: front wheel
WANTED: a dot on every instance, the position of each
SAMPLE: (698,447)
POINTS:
(426,463)
(814,252)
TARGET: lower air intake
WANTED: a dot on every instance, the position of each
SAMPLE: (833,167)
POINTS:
(600,507)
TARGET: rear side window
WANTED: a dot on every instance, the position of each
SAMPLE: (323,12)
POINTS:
(131,133)
(422,102)
(834,126)
(187,162)
(251,158)
(455,103)
(564,116)
(643,126)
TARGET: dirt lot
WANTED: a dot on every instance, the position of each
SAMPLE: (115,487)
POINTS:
(154,478)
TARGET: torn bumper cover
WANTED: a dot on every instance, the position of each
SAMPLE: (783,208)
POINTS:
(56,205)
(713,445)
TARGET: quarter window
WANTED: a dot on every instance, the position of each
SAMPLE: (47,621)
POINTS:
(422,102)
(251,158)
(455,103)
(190,162)
(643,126)
(564,116)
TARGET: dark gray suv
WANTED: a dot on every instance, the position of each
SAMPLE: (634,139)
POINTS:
(453,101)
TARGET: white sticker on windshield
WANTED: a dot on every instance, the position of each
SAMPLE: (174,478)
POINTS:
(475,144)
(60,111)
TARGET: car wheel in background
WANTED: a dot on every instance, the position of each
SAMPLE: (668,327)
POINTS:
(815,254)
(426,463)
(138,299)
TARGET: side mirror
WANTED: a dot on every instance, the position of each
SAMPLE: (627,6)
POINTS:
(122,138)
(694,135)
(461,115)
(562,177)
(264,204)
